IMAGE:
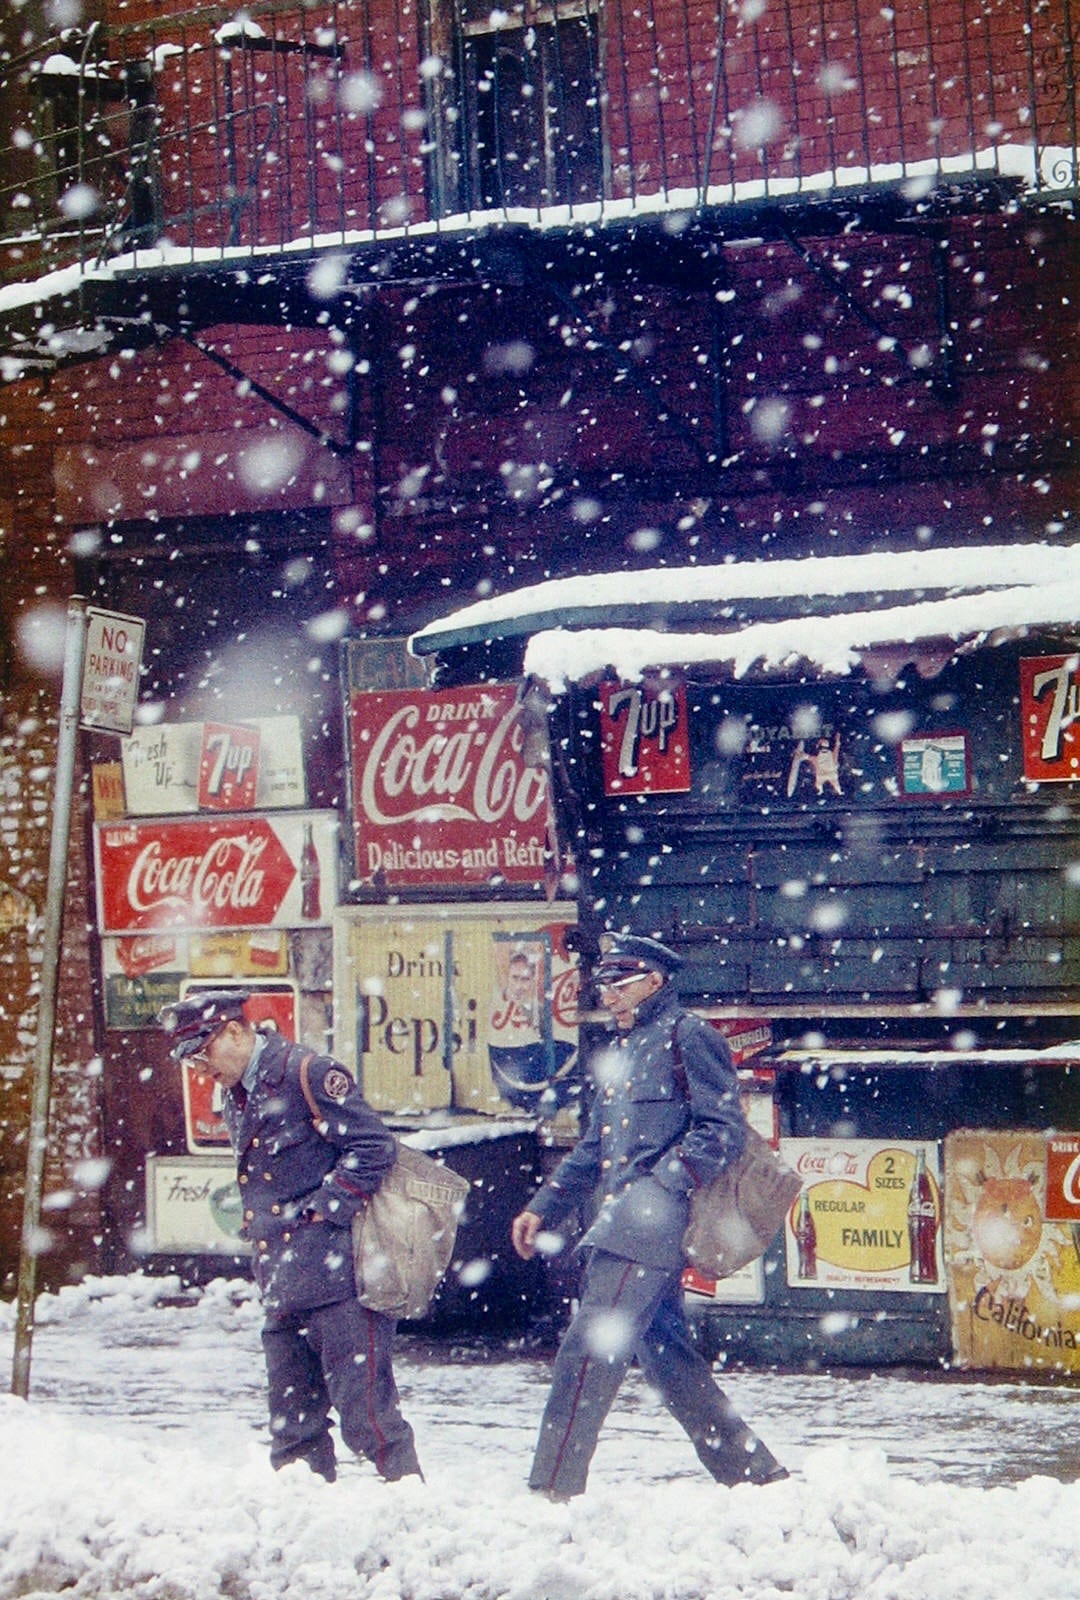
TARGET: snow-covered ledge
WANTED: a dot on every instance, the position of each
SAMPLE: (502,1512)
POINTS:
(950,597)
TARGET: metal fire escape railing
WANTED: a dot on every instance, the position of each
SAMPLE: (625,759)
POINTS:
(212,134)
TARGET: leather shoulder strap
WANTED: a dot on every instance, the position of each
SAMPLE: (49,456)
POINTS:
(678,1068)
(304,1066)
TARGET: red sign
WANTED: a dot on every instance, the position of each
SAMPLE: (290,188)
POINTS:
(207,872)
(746,1036)
(1063,1177)
(1050,712)
(644,737)
(228,767)
(150,952)
(441,792)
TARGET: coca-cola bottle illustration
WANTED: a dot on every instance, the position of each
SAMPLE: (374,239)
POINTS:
(806,1238)
(310,880)
(922,1219)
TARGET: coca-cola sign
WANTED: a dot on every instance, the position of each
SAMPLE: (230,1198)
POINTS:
(441,791)
(1063,1177)
(210,872)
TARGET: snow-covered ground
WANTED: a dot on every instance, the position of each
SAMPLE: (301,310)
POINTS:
(139,1468)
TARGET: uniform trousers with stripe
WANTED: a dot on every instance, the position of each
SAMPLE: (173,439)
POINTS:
(629,1311)
(339,1355)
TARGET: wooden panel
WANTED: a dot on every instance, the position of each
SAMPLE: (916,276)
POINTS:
(800,863)
(854,968)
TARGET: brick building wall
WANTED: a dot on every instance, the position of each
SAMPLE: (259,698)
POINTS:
(673,396)
(37,578)
(308,122)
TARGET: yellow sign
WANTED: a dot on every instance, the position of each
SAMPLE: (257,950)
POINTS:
(108,790)
(16,908)
(261,954)
(1014,1277)
(465,1007)
(869,1216)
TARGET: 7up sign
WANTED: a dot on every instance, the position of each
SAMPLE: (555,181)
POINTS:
(1050,707)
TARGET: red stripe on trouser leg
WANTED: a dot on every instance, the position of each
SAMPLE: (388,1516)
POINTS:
(372,1412)
(581,1384)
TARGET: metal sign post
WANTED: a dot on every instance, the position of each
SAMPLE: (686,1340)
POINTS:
(74,648)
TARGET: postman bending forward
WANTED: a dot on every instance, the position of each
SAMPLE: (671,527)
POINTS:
(300,1186)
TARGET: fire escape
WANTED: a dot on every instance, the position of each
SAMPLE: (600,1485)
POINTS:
(215,167)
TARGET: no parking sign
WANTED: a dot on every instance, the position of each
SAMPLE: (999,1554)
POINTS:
(111,663)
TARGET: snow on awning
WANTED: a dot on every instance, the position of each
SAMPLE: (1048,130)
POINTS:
(836,1063)
(832,645)
(828,614)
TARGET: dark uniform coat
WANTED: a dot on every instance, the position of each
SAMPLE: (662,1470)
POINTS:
(289,1172)
(665,1119)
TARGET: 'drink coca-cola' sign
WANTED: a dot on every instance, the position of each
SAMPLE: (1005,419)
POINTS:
(250,871)
(441,791)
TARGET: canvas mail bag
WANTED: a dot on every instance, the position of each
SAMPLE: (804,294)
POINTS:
(403,1240)
(734,1219)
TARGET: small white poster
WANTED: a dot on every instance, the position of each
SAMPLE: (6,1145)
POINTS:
(193,1205)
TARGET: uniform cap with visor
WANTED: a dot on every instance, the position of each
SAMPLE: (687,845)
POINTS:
(624,956)
(193,1021)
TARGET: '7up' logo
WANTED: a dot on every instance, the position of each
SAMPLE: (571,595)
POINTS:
(1050,699)
(229,766)
(1064,707)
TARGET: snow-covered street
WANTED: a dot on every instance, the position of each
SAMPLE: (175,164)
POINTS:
(139,1467)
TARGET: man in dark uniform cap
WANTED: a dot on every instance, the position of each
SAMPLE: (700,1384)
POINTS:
(301,1184)
(665,1120)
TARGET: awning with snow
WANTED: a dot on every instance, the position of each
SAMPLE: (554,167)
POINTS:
(837,1063)
(827,614)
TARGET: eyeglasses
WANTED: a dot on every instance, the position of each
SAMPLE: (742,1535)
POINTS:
(199,1054)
